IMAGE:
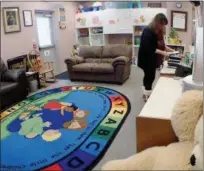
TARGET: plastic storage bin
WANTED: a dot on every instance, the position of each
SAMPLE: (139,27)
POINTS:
(88,9)
(119,5)
(97,8)
(33,85)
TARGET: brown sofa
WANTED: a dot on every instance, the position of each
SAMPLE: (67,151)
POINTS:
(111,63)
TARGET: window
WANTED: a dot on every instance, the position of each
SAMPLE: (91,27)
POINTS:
(44,31)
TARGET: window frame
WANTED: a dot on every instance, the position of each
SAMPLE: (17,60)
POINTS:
(46,14)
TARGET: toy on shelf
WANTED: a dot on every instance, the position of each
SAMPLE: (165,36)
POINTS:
(97,30)
(128,41)
(140,20)
(138,31)
(75,50)
(137,34)
(137,41)
(83,32)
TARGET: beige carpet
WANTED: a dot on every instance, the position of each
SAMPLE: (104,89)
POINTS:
(124,144)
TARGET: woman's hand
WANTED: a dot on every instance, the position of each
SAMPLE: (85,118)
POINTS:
(168,49)
(161,52)
(165,54)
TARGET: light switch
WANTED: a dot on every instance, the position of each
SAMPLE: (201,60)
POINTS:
(46,52)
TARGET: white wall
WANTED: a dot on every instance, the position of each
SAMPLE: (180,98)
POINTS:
(15,44)
(186,37)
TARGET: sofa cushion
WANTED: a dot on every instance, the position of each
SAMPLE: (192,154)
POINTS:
(107,60)
(6,87)
(90,51)
(84,67)
(93,60)
(102,68)
(113,51)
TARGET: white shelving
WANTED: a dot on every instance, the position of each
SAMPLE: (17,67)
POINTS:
(98,34)
(83,36)
(114,23)
(97,40)
(137,33)
(83,40)
(176,47)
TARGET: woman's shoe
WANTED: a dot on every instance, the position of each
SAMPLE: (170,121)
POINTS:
(147,94)
(143,91)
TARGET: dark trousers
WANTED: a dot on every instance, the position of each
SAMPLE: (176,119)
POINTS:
(149,76)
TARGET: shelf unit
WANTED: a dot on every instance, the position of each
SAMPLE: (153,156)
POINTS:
(137,33)
(83,36)
(180,48)
(118,26)
(96,36)
(92,37)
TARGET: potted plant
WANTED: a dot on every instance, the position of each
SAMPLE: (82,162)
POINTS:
(173,36)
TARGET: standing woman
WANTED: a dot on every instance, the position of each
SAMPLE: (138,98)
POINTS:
(147,56)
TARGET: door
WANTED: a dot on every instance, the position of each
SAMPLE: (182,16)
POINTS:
(46,41)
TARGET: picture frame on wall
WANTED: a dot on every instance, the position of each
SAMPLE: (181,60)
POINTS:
(27,18)
(179,20)
(11,19)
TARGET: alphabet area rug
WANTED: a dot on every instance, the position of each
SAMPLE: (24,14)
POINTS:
(67,128)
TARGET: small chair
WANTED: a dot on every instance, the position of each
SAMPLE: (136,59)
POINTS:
(42,67)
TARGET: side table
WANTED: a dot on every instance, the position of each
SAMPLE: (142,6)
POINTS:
(153,124)
(34,75)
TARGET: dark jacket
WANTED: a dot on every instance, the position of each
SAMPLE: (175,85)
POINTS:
(148,46)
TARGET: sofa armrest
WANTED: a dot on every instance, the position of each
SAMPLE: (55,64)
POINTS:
(121,60)
(74,60)
(16,75)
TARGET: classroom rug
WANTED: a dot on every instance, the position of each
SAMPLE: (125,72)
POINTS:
(67,128)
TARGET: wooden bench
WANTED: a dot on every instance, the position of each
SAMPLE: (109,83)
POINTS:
(153,125)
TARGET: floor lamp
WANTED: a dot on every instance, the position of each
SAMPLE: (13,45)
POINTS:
(195,81)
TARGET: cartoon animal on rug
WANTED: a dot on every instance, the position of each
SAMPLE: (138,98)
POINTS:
(47,121)
(28,124)
(182,155)
(15,125)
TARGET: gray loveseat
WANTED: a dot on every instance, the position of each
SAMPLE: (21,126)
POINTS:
(111,63)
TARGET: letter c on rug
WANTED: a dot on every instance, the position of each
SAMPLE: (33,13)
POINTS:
(97,145)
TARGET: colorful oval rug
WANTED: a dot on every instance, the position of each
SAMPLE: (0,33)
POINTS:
(67,128)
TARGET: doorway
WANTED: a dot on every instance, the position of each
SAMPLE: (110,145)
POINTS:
(46,38)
